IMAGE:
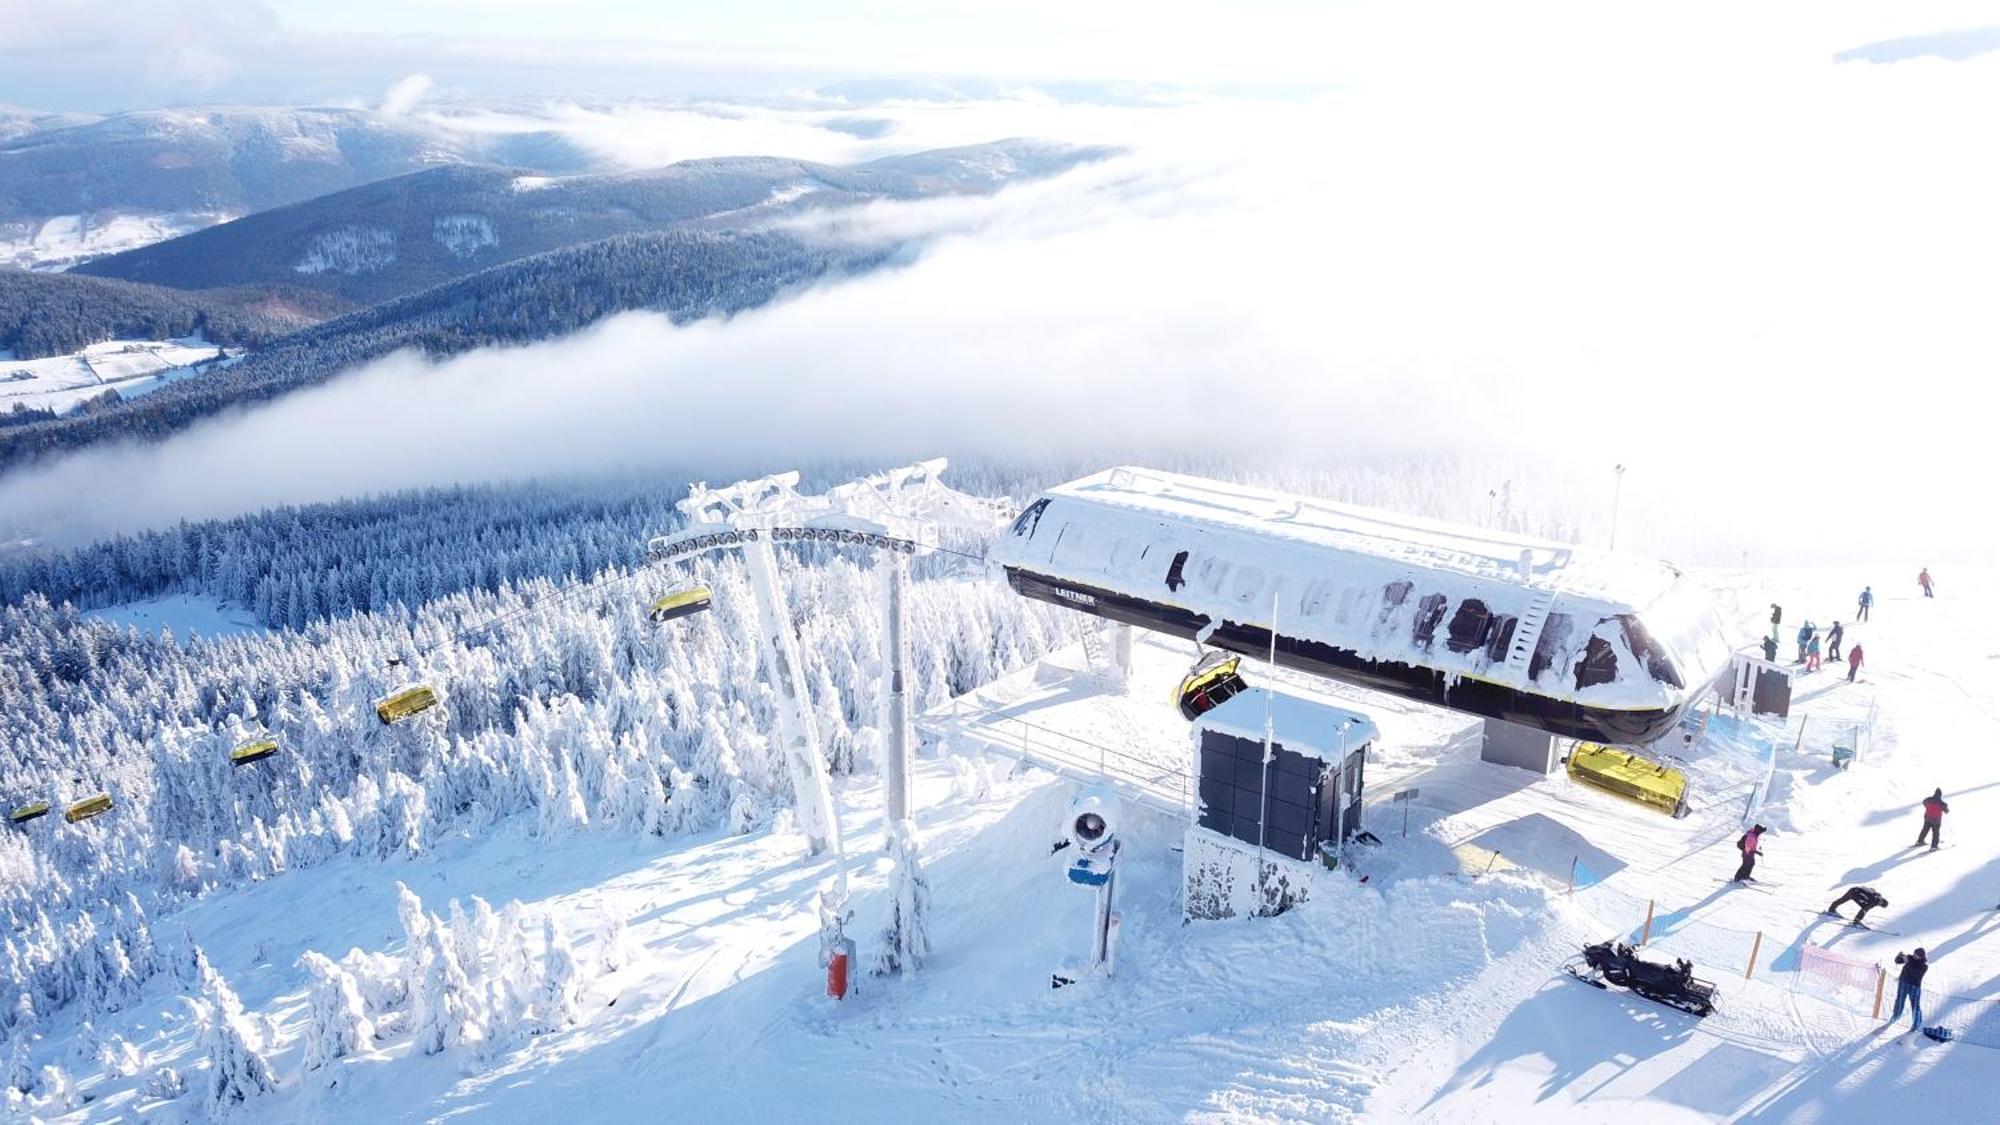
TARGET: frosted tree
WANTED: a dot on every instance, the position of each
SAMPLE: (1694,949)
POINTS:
(556,1004)
(58,1092)
(165,1083)
(445,1009)
(906,938)
(337,1022)
(237,1069)
(416,934)
(20,1070)
(465,941)
(118,1056)
(614,944)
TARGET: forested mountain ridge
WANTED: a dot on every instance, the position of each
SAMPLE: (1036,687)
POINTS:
(73,186)
(686,274)
(47,314)
(396,236)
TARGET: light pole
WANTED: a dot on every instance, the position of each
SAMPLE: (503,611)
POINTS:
(1617,493)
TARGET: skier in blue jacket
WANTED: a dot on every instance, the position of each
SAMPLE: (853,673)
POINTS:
(1867,599)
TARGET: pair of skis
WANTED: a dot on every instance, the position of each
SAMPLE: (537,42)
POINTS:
(1854,923)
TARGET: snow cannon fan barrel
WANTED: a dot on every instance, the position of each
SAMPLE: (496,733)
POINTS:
(1093,819)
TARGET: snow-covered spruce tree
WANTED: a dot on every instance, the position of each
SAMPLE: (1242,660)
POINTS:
(556,1003)
(57,1091)
(445,1009)
(336,1021)
(237,1069)
(614,943)
(906,937)
(416,935)
(165,1083)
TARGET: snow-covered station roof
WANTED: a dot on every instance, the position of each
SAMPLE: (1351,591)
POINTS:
(1565,624)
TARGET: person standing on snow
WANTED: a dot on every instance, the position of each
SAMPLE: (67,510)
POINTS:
(1924,580)
(1771,649)
(1934,810)
(1853,663)
(1805,634)
(1867,599)
(1833,644)
(1910,987)
(1750,846)
(1867,898)
(1812,654)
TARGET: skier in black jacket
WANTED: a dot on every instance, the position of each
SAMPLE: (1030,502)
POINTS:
(1910,986)
(1833,644)
(1867,898)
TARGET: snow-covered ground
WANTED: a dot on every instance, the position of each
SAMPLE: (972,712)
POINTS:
(130,367)
(187,615)
(1425,993)
(66,240)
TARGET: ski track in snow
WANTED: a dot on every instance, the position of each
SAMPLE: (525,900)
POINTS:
(1419,996)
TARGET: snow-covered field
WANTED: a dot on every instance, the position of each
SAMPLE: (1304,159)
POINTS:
(1424,993)
(130,367)
(66,240)
(186,615)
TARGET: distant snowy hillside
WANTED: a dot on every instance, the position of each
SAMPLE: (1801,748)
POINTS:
(124,369)
(72,189)
(410,232)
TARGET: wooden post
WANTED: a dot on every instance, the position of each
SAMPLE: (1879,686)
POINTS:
(1648,935)
(1755,947)
(1881,979)
(1572,876)
(1802,734)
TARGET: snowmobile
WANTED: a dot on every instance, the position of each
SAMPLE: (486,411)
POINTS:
(1674,985)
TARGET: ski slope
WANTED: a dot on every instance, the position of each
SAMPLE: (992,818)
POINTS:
(1422,994)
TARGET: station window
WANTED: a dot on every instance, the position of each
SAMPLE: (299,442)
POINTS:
(1553,642)
(1430,611)
(1599,664)
(1650,652)
(1499,636)
(1467,630)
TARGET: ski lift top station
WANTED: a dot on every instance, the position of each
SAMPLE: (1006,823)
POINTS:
(1541,639)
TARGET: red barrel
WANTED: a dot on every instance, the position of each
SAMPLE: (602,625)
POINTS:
(836,975)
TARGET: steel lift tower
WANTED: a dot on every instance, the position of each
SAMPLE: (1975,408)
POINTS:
(903,512)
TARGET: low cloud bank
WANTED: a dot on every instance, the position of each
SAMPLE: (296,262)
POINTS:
(1765,293)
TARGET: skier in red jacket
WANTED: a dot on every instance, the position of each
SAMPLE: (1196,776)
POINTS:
(1924,580)
(1853,662)
(1934,810)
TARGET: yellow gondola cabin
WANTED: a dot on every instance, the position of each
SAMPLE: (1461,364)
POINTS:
(1636,778)
(1210,682)
(88,807)
(33,811)
(680,604)
(400,705)
(253,752)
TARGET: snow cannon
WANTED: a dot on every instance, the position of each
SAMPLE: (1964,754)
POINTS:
(1091,827)
(1093,818)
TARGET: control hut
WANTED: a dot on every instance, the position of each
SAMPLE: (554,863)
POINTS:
(1260,824)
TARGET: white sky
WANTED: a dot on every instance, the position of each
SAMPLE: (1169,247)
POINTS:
(105,54)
